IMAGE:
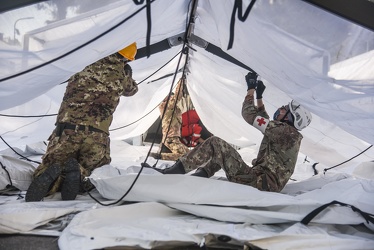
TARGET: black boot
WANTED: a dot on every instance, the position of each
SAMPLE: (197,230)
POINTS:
(40,186)
(146,165)
(201,173)
(177,168)
(71,183)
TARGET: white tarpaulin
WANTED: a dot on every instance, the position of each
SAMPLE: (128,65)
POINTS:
(213,206)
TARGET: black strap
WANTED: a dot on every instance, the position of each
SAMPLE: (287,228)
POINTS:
(154,48)
(368,217)
(219,52)
(149,24)
(238,6)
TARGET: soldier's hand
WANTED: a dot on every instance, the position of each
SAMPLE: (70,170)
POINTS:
(260,89)
(128,69)
(251,79)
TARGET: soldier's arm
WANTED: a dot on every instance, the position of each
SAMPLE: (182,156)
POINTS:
(255,116)
(249,110)
(130,87)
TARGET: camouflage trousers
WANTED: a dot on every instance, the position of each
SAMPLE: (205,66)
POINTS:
(176,147)
(91,149)
(214,154)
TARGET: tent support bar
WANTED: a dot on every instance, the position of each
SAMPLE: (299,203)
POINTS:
(178,40)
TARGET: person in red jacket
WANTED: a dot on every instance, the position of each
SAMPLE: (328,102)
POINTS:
(191,128)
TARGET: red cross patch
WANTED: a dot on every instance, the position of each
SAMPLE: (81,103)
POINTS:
(261,123)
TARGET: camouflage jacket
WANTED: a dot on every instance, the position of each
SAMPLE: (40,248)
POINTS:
(93,94)
(172,118)
(279,148)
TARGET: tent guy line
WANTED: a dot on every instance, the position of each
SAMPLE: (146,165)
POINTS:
(158,128)
(151,48)
(79,47)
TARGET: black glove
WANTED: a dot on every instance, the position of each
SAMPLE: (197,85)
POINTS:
(260,89)
(128,70)
(251,79)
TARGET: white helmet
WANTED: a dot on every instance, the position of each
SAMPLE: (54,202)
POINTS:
(302,117)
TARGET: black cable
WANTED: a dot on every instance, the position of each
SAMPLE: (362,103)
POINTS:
(142,166)
(154,107)
(160,67)
(166,106)
(324,171)
(174,107)
(135,121)
(163,77)
(22,157)
(185,51)
(77,48)
(34,116)
(154,139)
(10,180)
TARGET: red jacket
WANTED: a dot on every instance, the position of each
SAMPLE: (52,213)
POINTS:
(190,128)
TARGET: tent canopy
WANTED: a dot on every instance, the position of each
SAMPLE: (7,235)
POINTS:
(301,52)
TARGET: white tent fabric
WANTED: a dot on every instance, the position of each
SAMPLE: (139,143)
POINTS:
(327,68)
(158,225)
(214,207)
(233,197)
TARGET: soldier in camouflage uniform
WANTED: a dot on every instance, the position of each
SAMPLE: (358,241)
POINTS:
(172,147)
(278,151)
(80,142)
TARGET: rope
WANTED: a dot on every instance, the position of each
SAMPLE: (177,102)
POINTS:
(145,160)
(160,67)
(325,170)
(79,47)
(22,157)
(154,139)
(35,116)
(10,180)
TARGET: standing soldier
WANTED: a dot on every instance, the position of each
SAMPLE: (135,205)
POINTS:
(80,142)
(171,146)
(278,151)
